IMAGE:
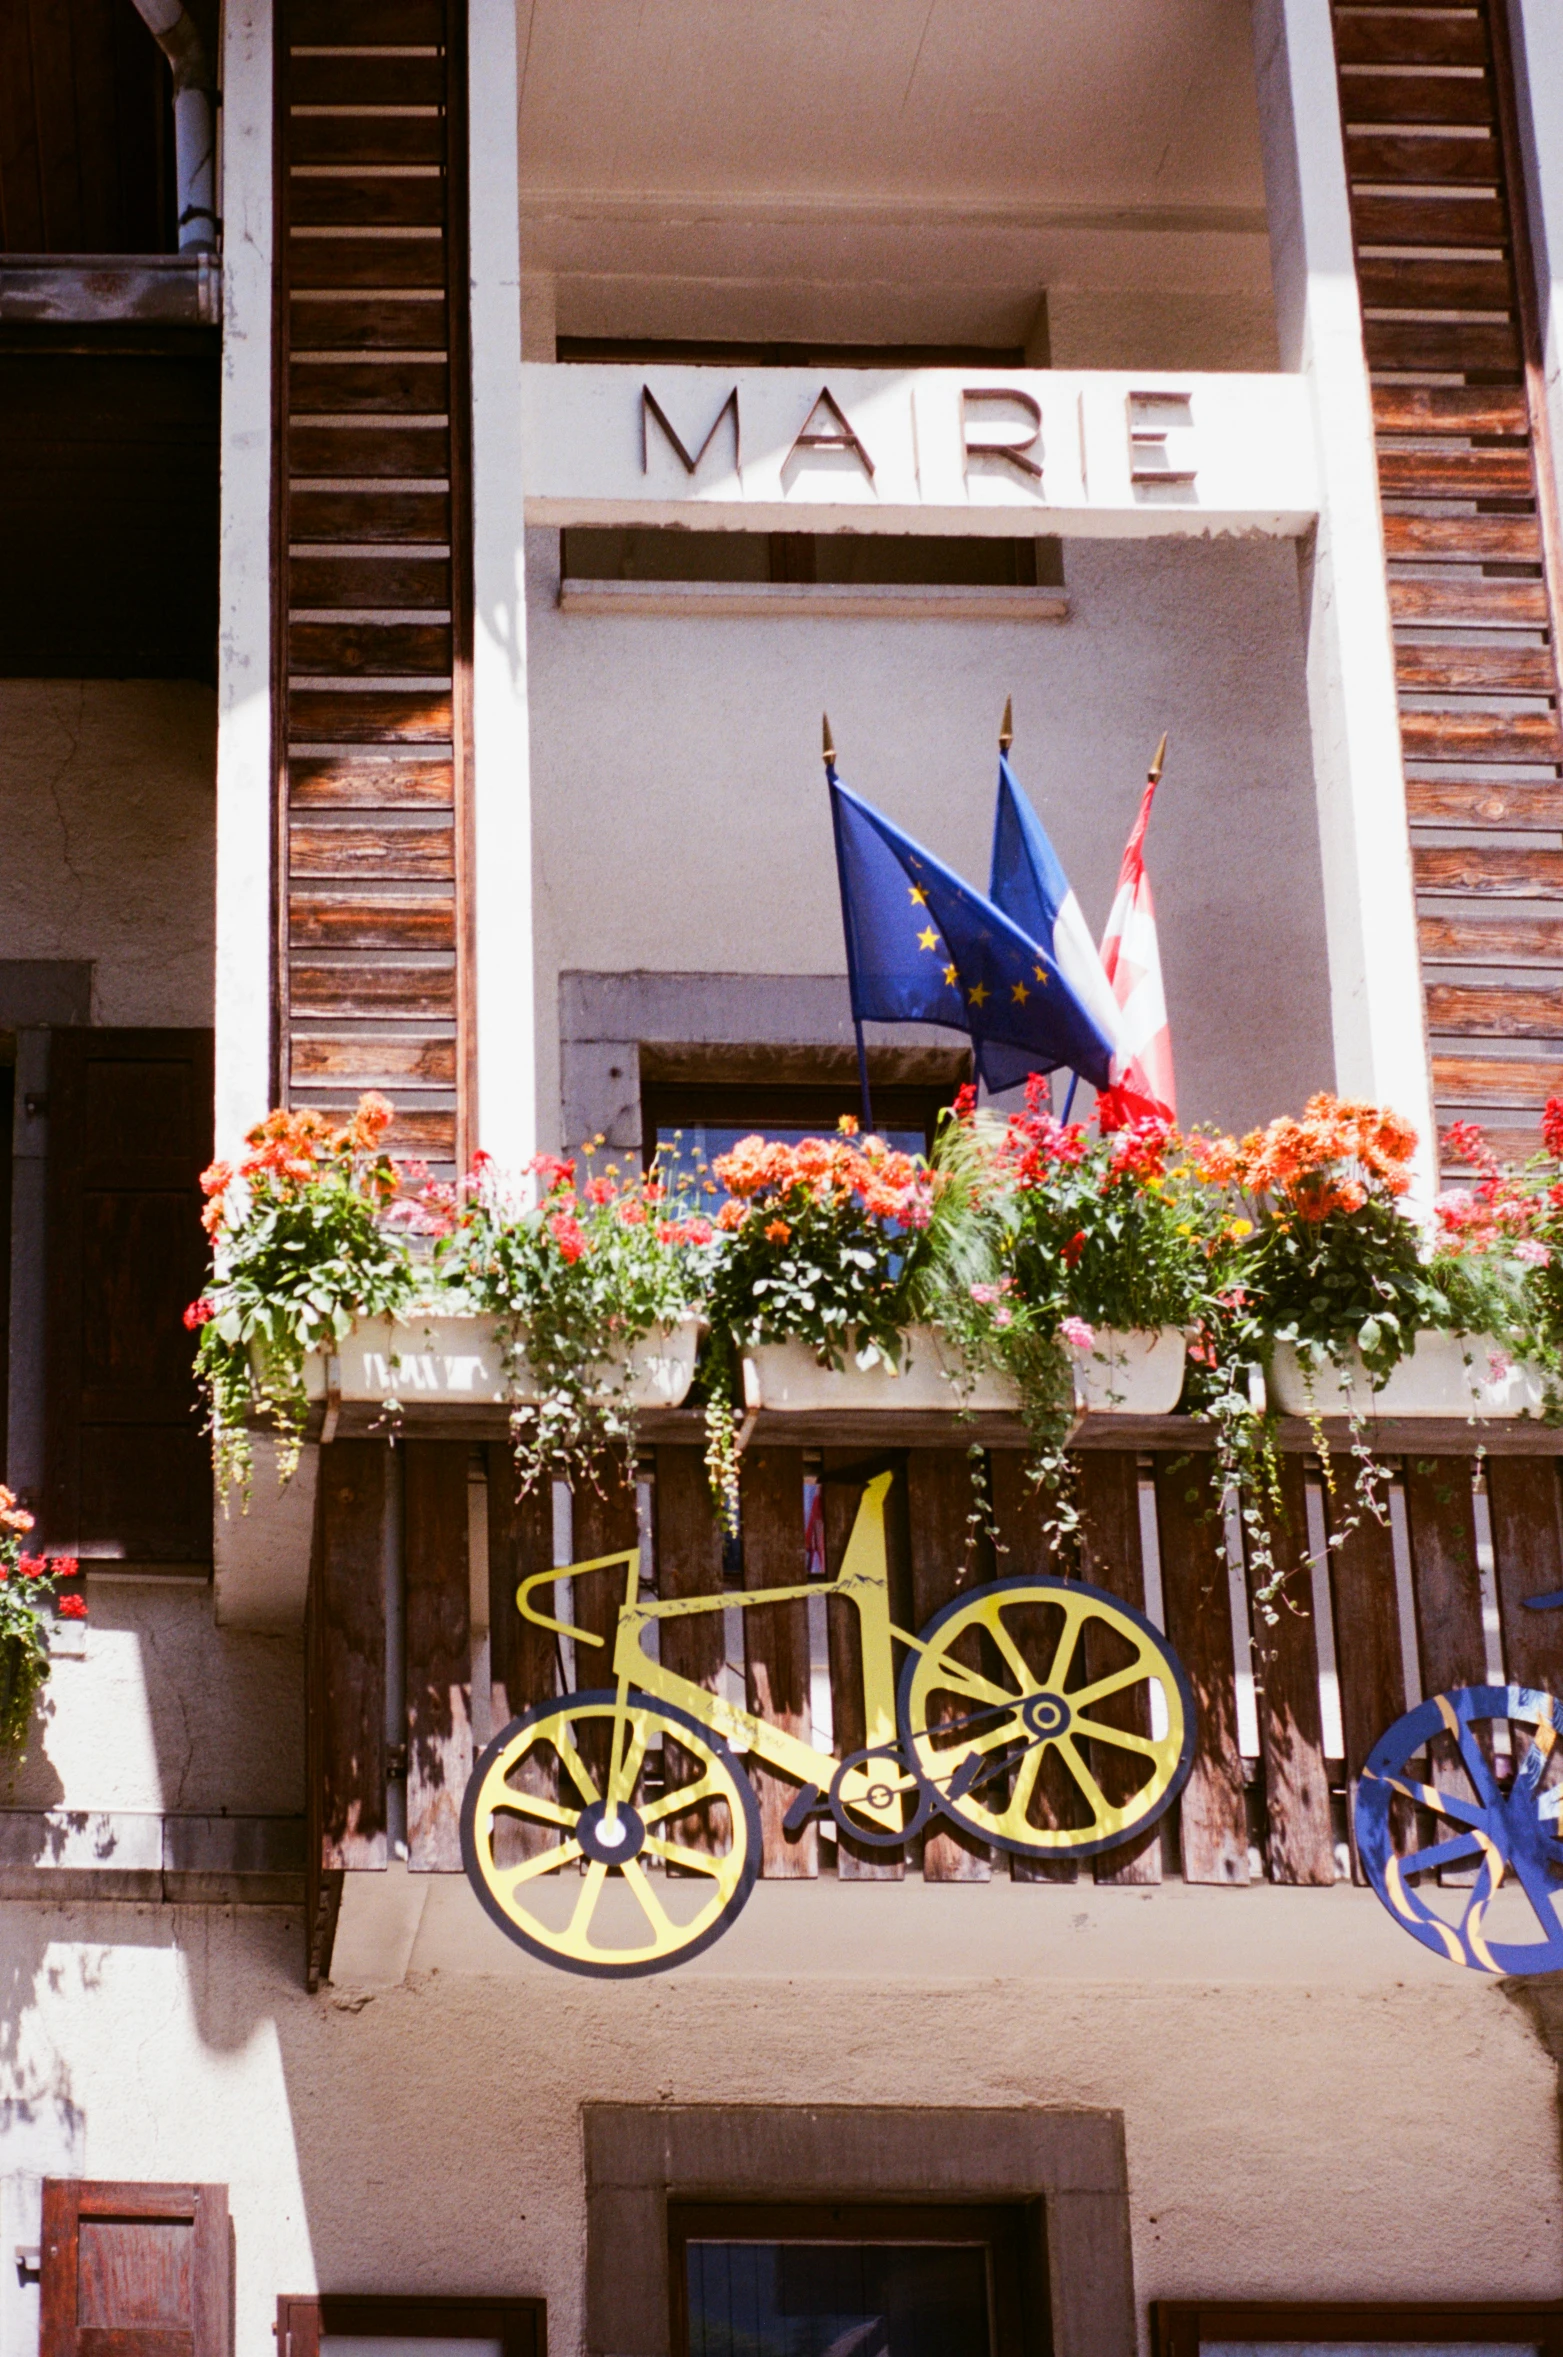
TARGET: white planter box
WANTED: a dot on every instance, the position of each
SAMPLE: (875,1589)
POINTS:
(1433,1381)
(460,1361)
(1134,1374)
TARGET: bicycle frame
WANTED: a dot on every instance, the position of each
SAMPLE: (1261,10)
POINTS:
(863,1581)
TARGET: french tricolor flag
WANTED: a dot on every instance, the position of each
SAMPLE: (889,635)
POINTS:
(1142,1069)
(1031,888)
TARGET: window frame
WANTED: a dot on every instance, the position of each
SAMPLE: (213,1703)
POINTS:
(1181,2328)
(1012,2233)
(520,2325)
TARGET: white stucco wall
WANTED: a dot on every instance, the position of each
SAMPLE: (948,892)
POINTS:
(108,795)
(164,1712)
(1288,2065)
(682,823)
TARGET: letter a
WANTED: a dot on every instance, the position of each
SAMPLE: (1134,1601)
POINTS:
(841,437)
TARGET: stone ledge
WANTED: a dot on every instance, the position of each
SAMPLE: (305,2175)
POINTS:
(94,1854)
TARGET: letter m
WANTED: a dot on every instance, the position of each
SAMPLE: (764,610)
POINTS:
(651,407)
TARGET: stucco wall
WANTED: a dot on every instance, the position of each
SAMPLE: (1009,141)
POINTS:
(107,786)
(164,1711)
(682,823)
(1288,2118)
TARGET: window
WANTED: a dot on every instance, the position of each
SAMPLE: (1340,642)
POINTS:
(850,2280)
(143,2270)
(836,560)
(692,1122)
(351,2324)
(1497,2328)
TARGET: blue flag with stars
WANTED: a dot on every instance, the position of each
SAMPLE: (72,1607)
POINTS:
(923,947)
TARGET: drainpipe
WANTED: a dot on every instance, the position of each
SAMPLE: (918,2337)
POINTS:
(195,141)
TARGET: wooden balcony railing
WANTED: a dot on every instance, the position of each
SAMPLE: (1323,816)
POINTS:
(1430,1598)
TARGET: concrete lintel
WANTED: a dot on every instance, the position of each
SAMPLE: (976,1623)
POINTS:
(379,1922)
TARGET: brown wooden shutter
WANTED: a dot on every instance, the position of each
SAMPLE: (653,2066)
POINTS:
(126,1469)
(135,2270)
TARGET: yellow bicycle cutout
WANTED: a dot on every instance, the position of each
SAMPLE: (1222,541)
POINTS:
(1023,1716)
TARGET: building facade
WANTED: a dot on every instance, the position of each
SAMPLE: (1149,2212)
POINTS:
(426,580)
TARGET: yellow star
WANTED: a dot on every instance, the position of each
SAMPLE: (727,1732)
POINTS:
(1020,994)
(979,996)
(951,976)
(918,894)
(1040,973)
(928,938)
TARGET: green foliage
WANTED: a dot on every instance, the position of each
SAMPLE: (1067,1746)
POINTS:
(576,1281)
(28,1586)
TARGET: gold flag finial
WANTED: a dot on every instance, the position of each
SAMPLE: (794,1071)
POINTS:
(1007,726)
(830,750)
(1161,755)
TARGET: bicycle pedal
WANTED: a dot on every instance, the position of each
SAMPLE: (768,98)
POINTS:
(965,1776)
(806,1805)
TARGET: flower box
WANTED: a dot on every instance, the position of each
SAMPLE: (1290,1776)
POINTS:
(459,1361)
(1445,1375)
(1132,1374)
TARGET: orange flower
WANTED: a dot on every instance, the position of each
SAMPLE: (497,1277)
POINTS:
(778,1232)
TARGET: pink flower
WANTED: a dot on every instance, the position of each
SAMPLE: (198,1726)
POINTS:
(1078,1334)
(985,1293)
(1498,1365)
(72,1608)
(1003,1315)
(633,1214)
(1538,1255)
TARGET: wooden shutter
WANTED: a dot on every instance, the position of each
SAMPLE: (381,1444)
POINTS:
(126,1469)
(134,2270)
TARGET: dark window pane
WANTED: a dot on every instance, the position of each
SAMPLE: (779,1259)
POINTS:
(837,2300)
(664,552)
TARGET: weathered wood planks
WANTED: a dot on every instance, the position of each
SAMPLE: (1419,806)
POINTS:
(944,1562)
(1213,1813)
(776,1644)
(439,1650)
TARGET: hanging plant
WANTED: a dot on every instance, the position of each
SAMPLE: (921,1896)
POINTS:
(301,1249)
(576,1275)
(28,1586)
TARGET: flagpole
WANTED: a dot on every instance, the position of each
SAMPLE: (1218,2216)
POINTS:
(829,752)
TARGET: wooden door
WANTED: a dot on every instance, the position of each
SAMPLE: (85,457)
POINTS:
(126,1467)
(134,2270)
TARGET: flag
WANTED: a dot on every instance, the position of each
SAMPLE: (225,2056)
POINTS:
(923,947)
(1143,1082)
(1030,886)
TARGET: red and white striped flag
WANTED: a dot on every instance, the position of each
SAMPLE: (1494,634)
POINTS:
(1142,1070)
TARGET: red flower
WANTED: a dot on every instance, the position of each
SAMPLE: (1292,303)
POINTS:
(965,1102)
(200,1313)
(553,1173)
(599,1190)
(568,1234)
(72,1608)
(1074,1248)
(64,1567)
(33,1567)
(1552,1126)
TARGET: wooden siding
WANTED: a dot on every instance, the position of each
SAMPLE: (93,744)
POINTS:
(373,568)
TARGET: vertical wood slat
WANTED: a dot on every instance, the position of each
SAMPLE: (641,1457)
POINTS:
(689,1563)
(351,1494)
(776,1643)
(439,1651)
(522,1657)
(858,1861)
(1213,1813)
(1367,1645)
(1527,1544)
(1111,1557)
(944,1563)
(1301,1843)
(1446,1586)
(604,1518)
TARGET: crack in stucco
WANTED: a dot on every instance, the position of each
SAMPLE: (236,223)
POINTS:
(52,787)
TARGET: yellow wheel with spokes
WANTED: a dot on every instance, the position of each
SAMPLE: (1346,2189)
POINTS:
(605,1856)
(1027,1712)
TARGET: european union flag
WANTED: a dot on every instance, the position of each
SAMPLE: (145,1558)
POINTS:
(922,947)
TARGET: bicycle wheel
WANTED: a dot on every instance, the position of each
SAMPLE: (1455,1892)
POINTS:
(533,1808)
(1002,1747)
(1510,1836)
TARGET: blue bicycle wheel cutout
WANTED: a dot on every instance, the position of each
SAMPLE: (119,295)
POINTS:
(1509,1833)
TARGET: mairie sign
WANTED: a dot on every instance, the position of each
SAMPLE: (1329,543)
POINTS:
(1007,453)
